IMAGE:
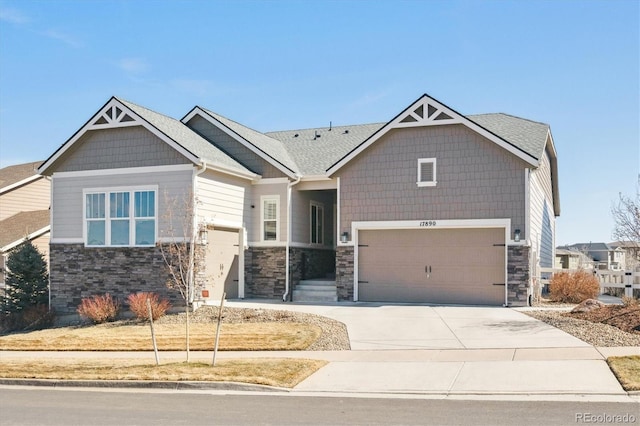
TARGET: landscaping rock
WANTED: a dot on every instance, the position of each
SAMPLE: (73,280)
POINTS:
(588,306)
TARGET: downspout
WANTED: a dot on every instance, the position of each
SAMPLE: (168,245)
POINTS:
(194,230)
(287,256)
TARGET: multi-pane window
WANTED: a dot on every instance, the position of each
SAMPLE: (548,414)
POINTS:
(317,223)
(113,220)
(270,212)
(427,172)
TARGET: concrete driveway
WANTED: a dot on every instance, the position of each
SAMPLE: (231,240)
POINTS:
(375,326)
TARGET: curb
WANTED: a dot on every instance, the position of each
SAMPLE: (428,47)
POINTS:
(143,384)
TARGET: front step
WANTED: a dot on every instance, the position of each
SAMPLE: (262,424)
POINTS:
(318,290)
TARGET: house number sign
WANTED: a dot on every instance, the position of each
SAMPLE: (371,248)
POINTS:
(428,223)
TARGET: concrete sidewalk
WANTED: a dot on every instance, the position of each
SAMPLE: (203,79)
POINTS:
(438,351)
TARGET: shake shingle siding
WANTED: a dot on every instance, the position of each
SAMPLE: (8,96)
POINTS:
(475,179)
(119,148)
(233,148)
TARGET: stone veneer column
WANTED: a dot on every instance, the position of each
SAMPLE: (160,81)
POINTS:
(518,275)
(344,272)
(265,272)
(77,272)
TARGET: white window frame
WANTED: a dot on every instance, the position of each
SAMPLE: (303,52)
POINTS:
(422,161)
(263,200)
(319,235)
(131,218)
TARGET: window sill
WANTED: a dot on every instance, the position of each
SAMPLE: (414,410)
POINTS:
(426,183)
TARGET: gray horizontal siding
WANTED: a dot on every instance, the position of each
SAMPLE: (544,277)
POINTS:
(118,148)
(476,179)
(67,202)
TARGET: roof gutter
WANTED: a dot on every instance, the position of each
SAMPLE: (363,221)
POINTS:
(287,294)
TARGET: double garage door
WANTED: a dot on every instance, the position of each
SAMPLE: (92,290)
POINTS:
(450,266)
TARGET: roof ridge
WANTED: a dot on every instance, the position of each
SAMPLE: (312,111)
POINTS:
(325,127)
(509,115)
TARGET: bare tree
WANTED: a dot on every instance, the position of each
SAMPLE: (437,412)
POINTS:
(180,250)
(626,214)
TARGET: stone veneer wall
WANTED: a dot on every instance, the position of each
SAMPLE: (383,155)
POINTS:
(77,272)
(344,272)
(265,272)
(518,275)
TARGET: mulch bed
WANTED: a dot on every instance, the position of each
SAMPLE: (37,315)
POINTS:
(626,318)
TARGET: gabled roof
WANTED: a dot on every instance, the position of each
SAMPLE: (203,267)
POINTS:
(426,111)
(268,148)
(529,136)
(118,113)
(14,229)
(591,247)
(17,175)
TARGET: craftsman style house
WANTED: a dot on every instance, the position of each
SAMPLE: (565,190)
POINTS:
(431,206)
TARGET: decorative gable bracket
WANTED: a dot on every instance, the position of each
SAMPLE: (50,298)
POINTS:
(113,115)
(426,112)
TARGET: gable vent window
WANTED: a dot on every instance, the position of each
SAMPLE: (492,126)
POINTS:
(427,172)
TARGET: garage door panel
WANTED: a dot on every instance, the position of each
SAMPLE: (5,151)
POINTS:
(465,265)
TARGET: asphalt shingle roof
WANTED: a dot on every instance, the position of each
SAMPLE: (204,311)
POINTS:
(16,227)
(13,174)
(529,136)
(273,147)
(186,137)
(315,150)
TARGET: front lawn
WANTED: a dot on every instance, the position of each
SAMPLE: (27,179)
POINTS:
(125,336)
(268,371)
(627,370)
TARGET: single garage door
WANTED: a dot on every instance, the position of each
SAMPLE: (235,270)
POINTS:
(222,263)
(459,266)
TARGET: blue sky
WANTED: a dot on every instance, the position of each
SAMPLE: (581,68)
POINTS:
(276,65)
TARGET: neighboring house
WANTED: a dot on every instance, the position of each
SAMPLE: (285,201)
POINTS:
(572,259)
(631,253)
(24,210)
(432,206)
(604,256)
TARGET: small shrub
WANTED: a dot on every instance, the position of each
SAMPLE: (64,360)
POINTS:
(138,305)
(99,309)
(35,317)
(38,317)
(573,287)
(630,301)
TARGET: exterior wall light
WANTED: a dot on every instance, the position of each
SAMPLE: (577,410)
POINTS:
(203,236)
(344,237)
(516,235)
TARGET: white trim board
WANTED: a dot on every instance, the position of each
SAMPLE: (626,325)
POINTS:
(20,183)
(122,171)
(29,237)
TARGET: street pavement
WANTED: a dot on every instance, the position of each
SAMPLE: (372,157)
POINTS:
(437,351)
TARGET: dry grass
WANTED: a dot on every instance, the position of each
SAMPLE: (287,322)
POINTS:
(170,337)
(627,370)
(269,371)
